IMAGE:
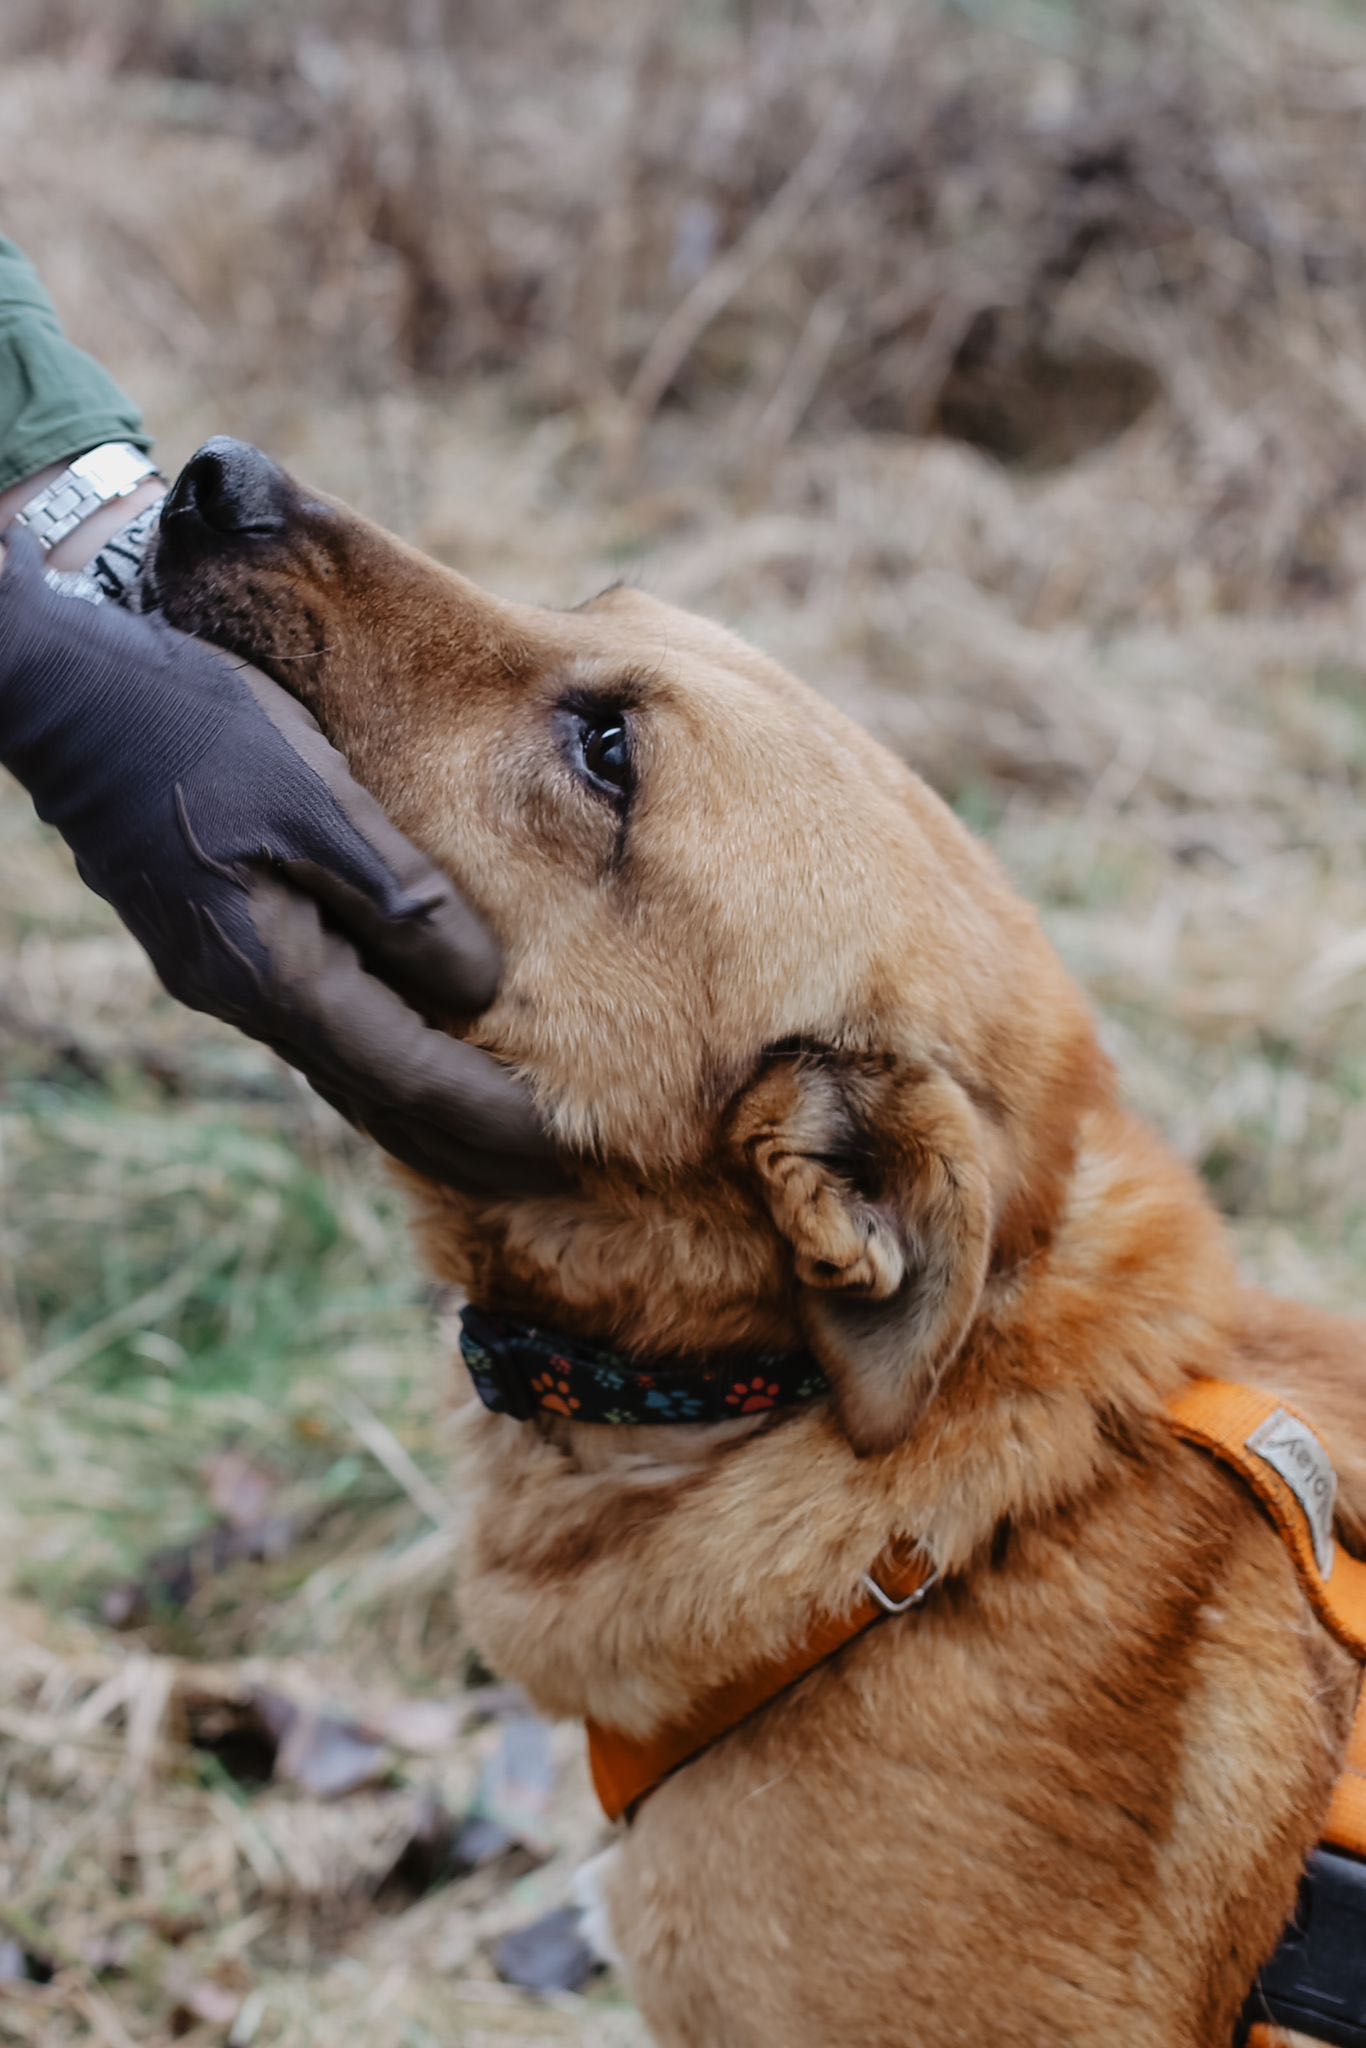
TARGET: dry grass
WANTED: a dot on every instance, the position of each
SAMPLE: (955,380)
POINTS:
(1002,369)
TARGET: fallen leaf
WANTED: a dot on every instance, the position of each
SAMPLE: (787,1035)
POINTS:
(549,1954)
(442,1850)
(238,1491)
(261,1734)
(242,1735)
(170,1578)
(108,1953)
(422,1727)
(175,1924)
(478,1841)
(205,2003)
(328,1756)
(424,1861)
(517,1783)
(275,1711)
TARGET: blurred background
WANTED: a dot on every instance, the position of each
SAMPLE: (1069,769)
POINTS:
(1002,368)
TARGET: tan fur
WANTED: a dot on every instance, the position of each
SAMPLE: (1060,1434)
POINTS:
(839,1092)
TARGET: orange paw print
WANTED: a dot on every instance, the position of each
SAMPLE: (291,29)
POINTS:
(554,1394)
(749,1396)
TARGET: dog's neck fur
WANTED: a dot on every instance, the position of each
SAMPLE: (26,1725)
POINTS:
(1062,1376)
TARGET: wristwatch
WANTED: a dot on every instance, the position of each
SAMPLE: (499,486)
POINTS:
(110,471)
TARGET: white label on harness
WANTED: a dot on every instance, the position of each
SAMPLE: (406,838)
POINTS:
(1291,1448)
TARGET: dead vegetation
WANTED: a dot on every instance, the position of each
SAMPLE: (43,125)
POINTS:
(1004,370)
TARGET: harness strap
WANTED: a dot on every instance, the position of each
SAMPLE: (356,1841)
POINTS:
(625,1770)
(1279,1457)
(1268,1446)
(1345,1827)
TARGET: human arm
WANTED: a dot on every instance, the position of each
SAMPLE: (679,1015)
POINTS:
(205,805)
(55,403)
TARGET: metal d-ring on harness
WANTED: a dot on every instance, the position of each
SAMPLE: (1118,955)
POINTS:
(903,1606)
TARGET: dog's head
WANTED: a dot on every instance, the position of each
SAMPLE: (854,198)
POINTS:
(826,1069)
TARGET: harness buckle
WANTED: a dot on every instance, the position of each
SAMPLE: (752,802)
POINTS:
(885,1600)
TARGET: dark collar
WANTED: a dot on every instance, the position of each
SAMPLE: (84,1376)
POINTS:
(521,1370)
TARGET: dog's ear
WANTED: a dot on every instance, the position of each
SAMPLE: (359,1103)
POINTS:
(879,1177)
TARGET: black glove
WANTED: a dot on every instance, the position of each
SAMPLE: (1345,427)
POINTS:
(204,803)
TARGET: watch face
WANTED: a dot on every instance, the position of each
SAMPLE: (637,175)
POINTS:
(112,470)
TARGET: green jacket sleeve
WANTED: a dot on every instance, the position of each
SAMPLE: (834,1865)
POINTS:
(55,401)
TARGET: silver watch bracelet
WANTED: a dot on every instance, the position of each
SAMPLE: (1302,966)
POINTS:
(114,576)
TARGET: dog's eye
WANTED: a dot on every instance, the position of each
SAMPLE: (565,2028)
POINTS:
(606,755)
(599,747)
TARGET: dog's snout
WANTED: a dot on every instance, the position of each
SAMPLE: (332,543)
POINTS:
(232,487)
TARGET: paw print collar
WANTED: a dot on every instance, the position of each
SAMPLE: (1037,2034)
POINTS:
(522,1370)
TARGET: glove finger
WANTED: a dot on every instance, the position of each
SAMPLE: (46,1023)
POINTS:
(353,1026)
(470,1171)
(425,941)
(429,1152)
(403,912)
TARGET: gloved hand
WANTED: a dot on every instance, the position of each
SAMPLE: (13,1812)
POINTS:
(267,886)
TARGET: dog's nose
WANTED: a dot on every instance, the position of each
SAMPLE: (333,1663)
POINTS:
(232,487)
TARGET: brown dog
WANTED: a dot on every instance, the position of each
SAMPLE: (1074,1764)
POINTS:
(838,1093)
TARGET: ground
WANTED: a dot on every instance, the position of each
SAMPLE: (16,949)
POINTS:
(1003,371)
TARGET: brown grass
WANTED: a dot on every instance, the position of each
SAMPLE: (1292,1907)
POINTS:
(1005,372)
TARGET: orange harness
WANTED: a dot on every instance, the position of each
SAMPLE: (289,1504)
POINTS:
(1265,1443)
(1231,1423)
